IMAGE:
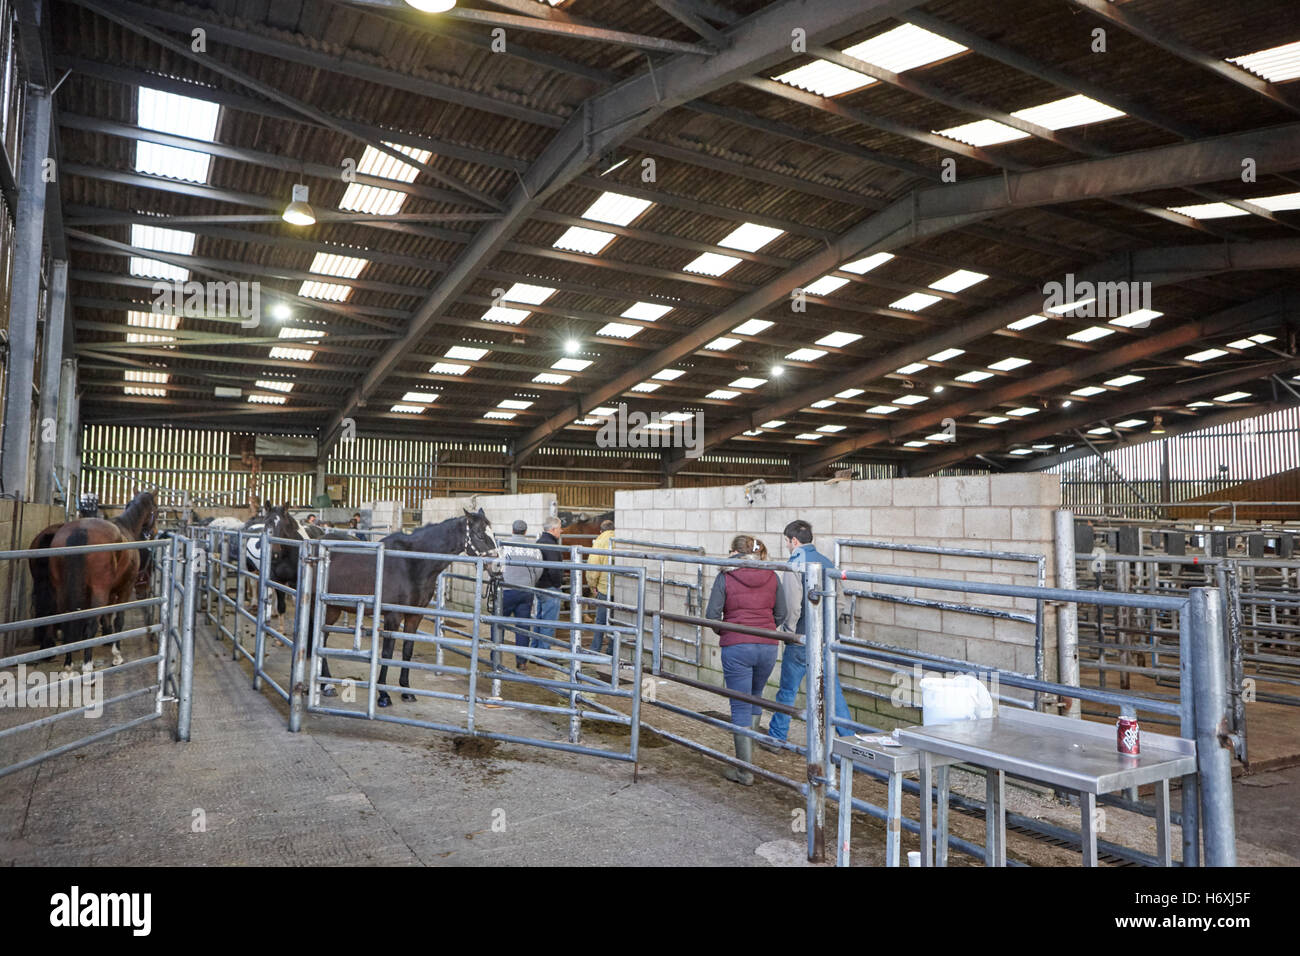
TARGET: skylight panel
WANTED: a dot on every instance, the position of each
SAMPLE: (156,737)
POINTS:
(1135,318)
(550,378)
(619,330)
(774,423)
(375,162)
(825,78)
(296,355)
(946,354)
(824,403)
(831,429)
(904,48)
(825,285)
(938,436)
(866,264)
(466,352)
(499,313)
(985,132)
(974,376)
(723,393)
(1090,334)
(572,364)
(647,311)
(374,200)
(993,420)
(531,294)
(837,340)
(420,397)
(1099,430)
(343,267)
(647,387)
(1276,64)
(1088,391)
(580,239)
(516,404)
(1232,397)
(603,411)
(752,432)
(809,436)
(676,417)
(267,399)
(1009,364)
(274,385)
(146,391)
(181,116)
(1068,307)
(710,264)
(882,409)
(805,355)
(912,368)
(1200,404)
(292,332)
(152,320)
(722,344)
(141,338)
(1205,355)
(1279,203)
(748,382)
(1022,411)
(155,378)
(504,416)
(1028,322)
(407,409)
(1131,423)
(176,241)
(329,291)
(1249,343)
(1022,451)
(1125,380)
(915,301)
(1208,210)
(850,393)
(752,327)
(749,237)
(616,209)
(957,281)
(914,443)
(911,399)
(448,368)
(1065,113)
(669,374)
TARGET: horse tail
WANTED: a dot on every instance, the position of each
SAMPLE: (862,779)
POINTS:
(75,592)
(43,603)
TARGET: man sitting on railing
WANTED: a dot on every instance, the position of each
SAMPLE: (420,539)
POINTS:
(517,579)
(794,659)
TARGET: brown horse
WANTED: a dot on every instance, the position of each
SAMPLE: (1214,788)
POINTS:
(98,579)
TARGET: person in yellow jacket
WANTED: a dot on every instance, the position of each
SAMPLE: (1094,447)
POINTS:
(600,582)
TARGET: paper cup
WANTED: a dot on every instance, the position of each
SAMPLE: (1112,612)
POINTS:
(913,857)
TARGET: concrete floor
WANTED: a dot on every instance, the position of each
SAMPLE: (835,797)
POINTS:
(244,791)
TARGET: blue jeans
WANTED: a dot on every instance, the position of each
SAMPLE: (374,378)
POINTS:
(598,638)
(515,603)
(548,609)
(794,665)
(746,668)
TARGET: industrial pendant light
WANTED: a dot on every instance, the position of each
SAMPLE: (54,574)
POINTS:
(298,212)
(432,6)
(1159,427)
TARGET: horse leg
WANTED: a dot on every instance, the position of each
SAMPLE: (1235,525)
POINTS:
(90,629)
(119,622)
(331,615)
(410,622)
(390,624)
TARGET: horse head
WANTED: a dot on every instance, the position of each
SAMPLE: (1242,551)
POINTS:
(281,524)
(140,516)
(479,540)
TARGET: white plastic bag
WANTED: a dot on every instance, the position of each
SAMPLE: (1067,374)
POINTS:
(945,700)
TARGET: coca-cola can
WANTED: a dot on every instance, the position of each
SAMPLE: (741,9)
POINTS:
(1128,740)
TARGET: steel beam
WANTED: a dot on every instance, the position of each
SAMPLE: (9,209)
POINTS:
(47,422)
(614,115)
(25,296)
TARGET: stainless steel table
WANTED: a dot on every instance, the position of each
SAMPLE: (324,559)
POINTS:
(895,761)
(1071,754)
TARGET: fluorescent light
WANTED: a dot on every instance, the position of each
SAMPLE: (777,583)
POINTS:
(915,301)
(945,355)
(1131,423)
(647,311)
(831,429)
(748,382)
(722,393)
(504,416)
(974,376)
(408,409)
(466,353)
(850,393)
(1009,364)
(866,264)
(669,374)
(911,399)
(1124,380)
(581,239)
(882,409)
(420,397)
(550,378)
(1205,356)
(1088,391)
(825,78)
(837,340)
(619,330)
(1135,318)
(448,368)
(616,209)
(514,403)
(1276,64)
(752,327)
(957,281)
(1022,411)
(993,420)
(1232,397)
(904,48)
(825,285)
(710,264)
(1028,322)
(749,237)
(571,364)
(722,344)
(1090,334)
(774,423)
(329,291)
(911,368)
(805,355)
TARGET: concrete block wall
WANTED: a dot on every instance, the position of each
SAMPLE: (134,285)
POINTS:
(993,513)
(19,523)
(384,515)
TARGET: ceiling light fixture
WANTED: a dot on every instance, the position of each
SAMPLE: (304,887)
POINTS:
(432,6)
(299,212)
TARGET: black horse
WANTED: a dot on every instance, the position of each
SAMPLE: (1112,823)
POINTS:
(284,559)
(408,581)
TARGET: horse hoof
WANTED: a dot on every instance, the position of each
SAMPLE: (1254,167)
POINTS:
(88,667)
(408,698)
(329,691)
(384,700)
(117,659)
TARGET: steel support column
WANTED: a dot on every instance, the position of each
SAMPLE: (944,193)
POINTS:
(47,435)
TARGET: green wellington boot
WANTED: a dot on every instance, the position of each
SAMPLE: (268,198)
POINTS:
(745,751)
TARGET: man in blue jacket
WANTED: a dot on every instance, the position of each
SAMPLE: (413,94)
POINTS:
(794,659)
